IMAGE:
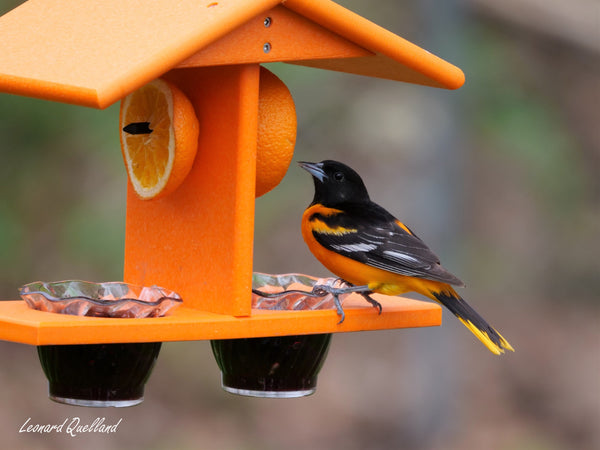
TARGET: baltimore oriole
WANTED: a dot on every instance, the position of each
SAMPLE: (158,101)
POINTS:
(366,246)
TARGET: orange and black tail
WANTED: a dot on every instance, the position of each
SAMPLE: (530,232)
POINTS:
(472,320)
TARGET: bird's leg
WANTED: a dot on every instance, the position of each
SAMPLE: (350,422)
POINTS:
(349,288)
(365,292)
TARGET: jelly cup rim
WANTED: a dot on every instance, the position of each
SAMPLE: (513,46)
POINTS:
(284,279)
(44,288)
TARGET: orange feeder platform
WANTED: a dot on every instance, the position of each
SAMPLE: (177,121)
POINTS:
(94,53)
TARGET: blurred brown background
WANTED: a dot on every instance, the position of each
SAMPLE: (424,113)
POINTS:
(501,178)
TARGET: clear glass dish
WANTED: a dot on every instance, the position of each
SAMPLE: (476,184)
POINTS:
(109,299)
(293,291)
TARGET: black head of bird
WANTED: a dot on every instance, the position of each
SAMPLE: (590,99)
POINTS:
(335,183)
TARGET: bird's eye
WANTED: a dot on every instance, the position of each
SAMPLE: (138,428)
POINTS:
(338,176)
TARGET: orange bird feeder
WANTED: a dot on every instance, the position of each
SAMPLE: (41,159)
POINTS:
(94,53)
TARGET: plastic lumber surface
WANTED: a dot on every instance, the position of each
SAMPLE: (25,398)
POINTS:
(93,53)
(19,323)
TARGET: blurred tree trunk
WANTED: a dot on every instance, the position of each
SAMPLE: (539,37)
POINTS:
(576,22)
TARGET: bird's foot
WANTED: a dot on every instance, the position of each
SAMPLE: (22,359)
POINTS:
(338,306)
(347,289)
(371,300)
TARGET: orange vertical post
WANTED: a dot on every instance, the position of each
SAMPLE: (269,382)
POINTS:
(198,240)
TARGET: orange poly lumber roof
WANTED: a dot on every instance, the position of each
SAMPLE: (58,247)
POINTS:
(289,36)
(395,58)
(95,52)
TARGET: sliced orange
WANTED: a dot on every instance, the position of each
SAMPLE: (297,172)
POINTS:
(159,138)
(276,132)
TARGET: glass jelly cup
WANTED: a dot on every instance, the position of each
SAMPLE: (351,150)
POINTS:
(283,366)
(272,367)
(98,375)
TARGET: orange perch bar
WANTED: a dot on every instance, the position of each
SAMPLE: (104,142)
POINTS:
(19,323)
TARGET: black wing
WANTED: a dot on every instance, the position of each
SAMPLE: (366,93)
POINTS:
(374,237)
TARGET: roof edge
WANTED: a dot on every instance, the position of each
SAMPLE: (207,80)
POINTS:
(47,90)
(379,40)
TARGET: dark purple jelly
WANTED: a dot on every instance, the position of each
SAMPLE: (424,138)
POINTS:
(98,374)
(284,366)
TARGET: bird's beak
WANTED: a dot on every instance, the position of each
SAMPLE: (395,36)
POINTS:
(315,169)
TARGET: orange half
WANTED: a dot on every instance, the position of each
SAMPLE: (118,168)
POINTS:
(159,138)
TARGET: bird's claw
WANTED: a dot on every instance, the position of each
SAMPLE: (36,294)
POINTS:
(340,310)
(349,288)
(372,301)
